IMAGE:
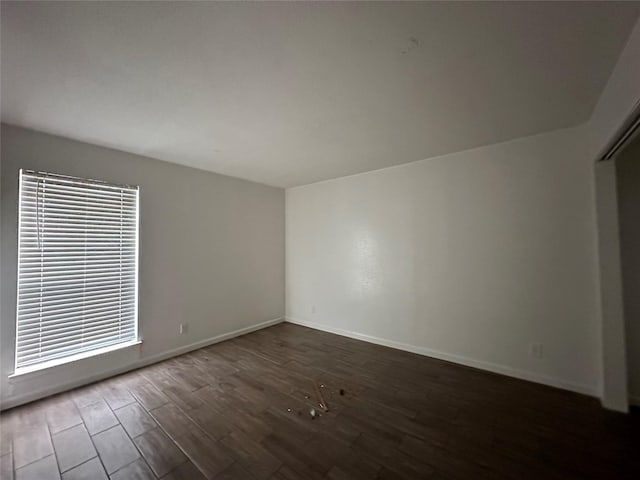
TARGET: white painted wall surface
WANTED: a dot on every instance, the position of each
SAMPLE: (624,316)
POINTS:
(470,257)
(211,253)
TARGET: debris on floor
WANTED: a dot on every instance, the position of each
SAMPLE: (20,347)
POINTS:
(321,402)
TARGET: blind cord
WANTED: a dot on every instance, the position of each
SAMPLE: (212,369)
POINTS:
(38,214)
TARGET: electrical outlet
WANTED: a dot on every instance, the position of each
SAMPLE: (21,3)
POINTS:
(313,309)
(184,328)
(536,350)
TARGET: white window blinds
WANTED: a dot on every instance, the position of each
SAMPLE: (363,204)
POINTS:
(77,268)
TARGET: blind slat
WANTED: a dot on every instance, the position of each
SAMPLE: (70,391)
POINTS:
(67,309)
(54,337)
(31,333)
(71,182)
(60,315)
(73,281)
(64,296)
(69,331)
(119,315)
(74,348)
(33,192)
(29,219)
(60,288)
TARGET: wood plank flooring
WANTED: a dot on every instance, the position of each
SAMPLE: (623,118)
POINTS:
(240,410)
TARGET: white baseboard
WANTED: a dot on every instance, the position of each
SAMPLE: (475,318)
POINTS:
(469,362)
(52,390)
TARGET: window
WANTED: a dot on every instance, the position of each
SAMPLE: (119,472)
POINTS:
(77,269)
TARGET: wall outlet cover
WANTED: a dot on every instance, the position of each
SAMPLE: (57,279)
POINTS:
(536,350)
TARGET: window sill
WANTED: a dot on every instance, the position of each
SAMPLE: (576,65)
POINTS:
(19,372)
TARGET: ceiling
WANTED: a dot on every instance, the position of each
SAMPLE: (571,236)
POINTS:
(292,93)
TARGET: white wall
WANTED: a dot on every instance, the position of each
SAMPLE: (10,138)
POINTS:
(469,257)
(628,179)
(211,252)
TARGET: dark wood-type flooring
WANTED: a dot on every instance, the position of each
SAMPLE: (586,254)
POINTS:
(240,410)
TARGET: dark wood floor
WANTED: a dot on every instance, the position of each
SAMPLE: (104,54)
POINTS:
(240,410)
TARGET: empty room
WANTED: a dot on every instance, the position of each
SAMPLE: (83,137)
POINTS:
(319,240)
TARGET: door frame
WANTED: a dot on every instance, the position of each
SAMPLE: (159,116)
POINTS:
(614,394)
